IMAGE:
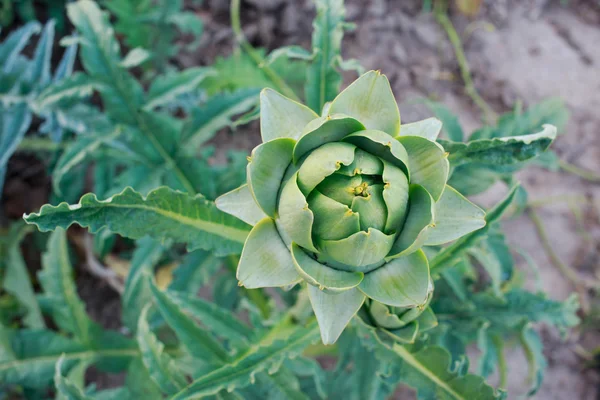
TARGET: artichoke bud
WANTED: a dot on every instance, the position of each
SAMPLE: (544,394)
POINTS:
(345,201)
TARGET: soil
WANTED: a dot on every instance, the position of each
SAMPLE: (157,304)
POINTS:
(536,49)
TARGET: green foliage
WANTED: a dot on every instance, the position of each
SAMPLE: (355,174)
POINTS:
(143,128)
(472,175)
(174,215)
(154,25)
(21,81)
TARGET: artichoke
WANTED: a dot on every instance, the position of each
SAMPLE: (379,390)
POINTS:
(345,201)
(401,324)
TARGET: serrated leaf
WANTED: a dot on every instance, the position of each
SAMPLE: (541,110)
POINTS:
(550,111)
(39,67)
(76,87)
(14,122)
(428,371)
(500,151)
(195,270)
(167,214)
(65,389)
(37,351)
(215,114)
(199,343)
(16,278)
(322,79)
(267,355)
(215,318)
(136,57)
(99,49)
(160,365)
(165,88)
(533,348)
(68,311)
(137,291)
(79,151)
(14,43)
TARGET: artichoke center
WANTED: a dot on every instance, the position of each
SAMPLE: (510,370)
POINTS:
(361,190)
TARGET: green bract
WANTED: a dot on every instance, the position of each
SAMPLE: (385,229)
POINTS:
(401,324)
(345,201)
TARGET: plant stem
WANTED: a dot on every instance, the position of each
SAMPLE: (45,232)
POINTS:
(236,26)
(567,272)
(580,172)
(502,367)
(465,70)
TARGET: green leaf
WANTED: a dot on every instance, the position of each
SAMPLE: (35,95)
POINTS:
(450,255)
(281,117)
(295,216)
(37,351)
(333,220)
(534,351)
(160,365)
(550,111)
(427,128)
(395,196)
(68,311)
(195,271)
(16,278)
(323,131)
(137,291)
(334,310)
(322,78)
(500,151)
(472,179)
(12,46)
(267,355)
(99,49)
(421,214)
(79,151)
(75,87)
(175,215)
(266,167)
(370,100)
(219,320)
(429,166)
(215,114)
(372,210)
(166,88)
(360,251)
(198,342)
(428,371)
(136,57)
(240,203)
(266,261)
(15,121)
(323,162)
(402,282)
(65,389)
(383,146)
(455,216)
(325,278)
(450,122)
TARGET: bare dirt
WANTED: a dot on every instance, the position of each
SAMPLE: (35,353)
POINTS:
(518,51)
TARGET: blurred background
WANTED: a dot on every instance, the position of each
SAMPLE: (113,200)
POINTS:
(480,59)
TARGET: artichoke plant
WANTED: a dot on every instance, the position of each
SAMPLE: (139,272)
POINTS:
(401,324)
(345,201)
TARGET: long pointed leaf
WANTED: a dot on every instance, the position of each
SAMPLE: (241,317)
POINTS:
(167,214)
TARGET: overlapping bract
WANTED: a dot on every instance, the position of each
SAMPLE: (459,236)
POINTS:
(345,202)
